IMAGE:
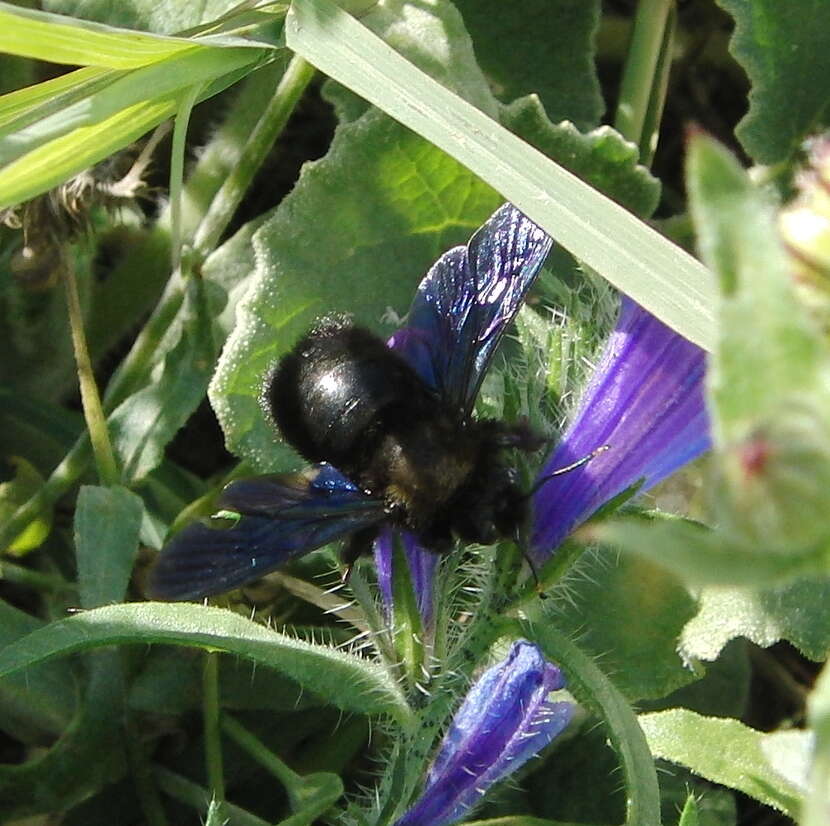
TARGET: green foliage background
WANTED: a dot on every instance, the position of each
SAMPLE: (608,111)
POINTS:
(284,192)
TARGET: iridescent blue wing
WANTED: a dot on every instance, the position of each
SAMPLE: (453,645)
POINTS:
(466,301)
(281,517)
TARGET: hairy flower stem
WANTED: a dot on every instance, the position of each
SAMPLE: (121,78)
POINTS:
(487,626)
(552,572)
(93,412)
(599,695)
(212,733)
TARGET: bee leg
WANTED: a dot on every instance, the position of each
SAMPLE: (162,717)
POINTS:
(359,544)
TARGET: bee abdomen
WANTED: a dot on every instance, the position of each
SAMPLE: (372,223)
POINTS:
(330,395)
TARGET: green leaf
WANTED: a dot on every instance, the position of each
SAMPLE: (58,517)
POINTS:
(107,521)
(637,614)
(798,612)
(146,84)
(51,162)
(21,107)
(26,483)
(702,556)
(550,52)
(767,347)
(594,690)
(427,36)
(145,423)
(768,382)
(347,682)
(89,755)
(602,157)
(723,751)
(781,46)
(40,702)
(632,256)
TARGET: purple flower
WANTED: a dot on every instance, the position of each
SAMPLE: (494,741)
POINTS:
(645,401)
(422,564)
(506,718)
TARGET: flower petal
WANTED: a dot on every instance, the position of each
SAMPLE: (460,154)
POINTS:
(422,566)
(506,718)
(646,402)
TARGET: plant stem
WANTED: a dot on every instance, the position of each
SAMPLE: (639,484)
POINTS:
(553,571)
(177,172)
(20,575)
(93,412)
(272,121)
(260,752)
(145,783)
(594,690)
(212,734)
(190,793)
(657,99)
(640,68)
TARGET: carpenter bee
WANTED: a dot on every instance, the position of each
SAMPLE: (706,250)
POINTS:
(389,426)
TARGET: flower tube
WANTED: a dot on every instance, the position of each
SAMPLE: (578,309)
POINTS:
(507,717)
(645,401)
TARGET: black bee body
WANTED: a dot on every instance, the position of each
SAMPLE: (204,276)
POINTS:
(344,397)
(390,430)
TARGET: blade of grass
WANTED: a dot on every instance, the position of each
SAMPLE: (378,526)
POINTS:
(59,39)
(60,159)
(25,106)
(177,171)
(632,256)
(148,83)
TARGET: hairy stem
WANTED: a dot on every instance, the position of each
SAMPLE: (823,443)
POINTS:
(93,411)
(212,733)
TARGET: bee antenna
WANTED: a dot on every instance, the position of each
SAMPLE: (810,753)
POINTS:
(567,469)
